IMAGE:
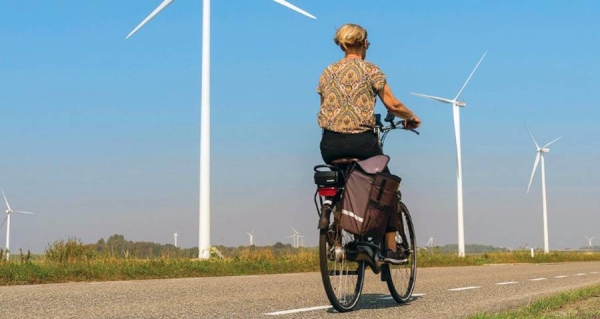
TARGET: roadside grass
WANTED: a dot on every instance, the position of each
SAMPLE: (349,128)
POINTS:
(581,303)
(71,260)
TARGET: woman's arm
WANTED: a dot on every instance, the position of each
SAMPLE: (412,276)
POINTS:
(396,107)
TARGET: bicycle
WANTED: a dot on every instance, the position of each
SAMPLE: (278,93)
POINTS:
(343,256)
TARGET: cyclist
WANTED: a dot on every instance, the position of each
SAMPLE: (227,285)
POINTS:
(348,89)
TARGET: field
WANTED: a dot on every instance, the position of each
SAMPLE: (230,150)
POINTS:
(70,260)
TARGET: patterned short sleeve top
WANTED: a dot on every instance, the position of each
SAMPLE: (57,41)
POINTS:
(349,89)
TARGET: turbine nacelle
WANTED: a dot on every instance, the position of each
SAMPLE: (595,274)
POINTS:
(543,150)
(460,103)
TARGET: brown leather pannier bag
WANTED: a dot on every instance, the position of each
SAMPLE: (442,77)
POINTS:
(369,198)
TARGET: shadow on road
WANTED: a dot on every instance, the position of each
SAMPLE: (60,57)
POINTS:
(377,301)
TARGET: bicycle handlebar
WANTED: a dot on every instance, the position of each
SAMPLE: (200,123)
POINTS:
(403,124)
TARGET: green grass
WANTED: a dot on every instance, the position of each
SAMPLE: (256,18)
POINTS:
(570,304)
(71,260)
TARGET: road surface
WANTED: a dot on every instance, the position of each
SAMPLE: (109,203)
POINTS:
(452,292)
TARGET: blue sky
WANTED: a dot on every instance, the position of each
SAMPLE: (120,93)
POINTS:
(99,135)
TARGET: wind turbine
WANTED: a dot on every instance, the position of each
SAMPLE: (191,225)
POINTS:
(540,155)
(175,235)
(204,198)
(430,243)
(589,241)
(7,220)
(296,237)
(456,104)
(251,239)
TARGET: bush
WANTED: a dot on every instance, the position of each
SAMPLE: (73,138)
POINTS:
(72,250)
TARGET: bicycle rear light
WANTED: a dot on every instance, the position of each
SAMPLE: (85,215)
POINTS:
(327,191)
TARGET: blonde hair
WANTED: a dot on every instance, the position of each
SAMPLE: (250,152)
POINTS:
(350,35)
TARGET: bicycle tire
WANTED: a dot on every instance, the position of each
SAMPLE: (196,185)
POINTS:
(342,279)
(401,278)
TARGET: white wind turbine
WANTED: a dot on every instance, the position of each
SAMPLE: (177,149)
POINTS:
(431,242)
(456,104)
(204,201)
(251,239)
(175,235)
(296,237)
(589,241)
(540,155)
(7,220)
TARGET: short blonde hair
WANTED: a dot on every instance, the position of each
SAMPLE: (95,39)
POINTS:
(350,35)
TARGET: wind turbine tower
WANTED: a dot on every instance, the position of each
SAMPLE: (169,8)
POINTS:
(175,235)
(456,105)
(204,198)
(7,221)
(430,243)
(251,239)
(589,241)
(540,157)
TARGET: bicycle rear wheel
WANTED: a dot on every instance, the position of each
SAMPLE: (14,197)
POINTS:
(401,278)
(342,279)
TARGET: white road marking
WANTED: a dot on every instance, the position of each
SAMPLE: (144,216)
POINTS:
(287,312)
(464,288)
(537,279)
(561,276)
(594,272)
(507,283)
(581,274)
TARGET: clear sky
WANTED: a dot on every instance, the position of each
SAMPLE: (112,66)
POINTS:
(100,135)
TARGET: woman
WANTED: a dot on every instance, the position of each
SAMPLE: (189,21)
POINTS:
(348,89)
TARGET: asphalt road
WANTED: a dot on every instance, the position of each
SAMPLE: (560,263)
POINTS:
(452,292)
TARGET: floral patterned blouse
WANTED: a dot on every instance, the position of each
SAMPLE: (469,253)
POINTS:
(349,89)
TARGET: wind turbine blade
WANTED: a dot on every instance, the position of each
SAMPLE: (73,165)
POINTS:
(435,98)
(472,72)
(6,200)
(534,142)
(535,164)
(158,9)
(551,142)
(4,221)
(18,211)
(293,7)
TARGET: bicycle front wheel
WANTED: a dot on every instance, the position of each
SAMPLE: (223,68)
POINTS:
(401,278)
(342,279)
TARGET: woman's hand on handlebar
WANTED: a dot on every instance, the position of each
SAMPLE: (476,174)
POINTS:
(411,124)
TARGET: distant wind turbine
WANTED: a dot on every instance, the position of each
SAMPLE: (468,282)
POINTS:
(251,239)
(431,242)
(7,221)
(175,235)
(589,241)
(296,237)
(456,104)
(540,156)
(204,200)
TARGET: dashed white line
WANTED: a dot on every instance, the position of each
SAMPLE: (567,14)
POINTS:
(561,276)
(537,279)
(507,283)
(287,312)
(594,272)
(581,274)
(464,288)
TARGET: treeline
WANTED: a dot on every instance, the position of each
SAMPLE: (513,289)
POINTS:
(117,246)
